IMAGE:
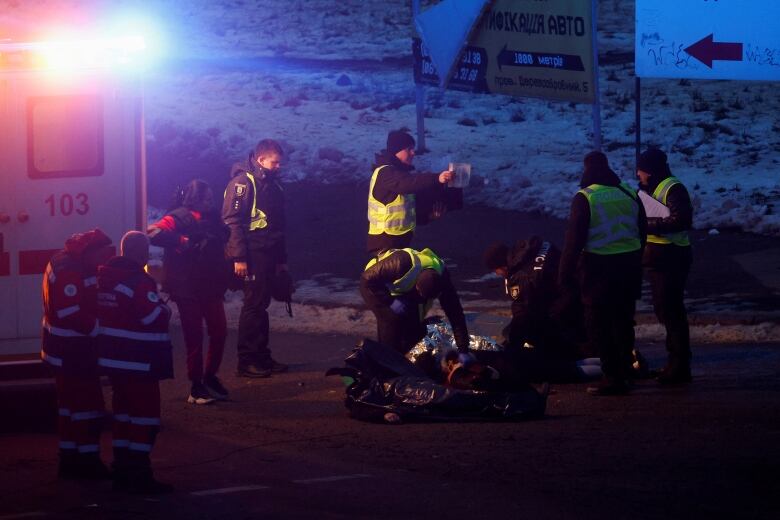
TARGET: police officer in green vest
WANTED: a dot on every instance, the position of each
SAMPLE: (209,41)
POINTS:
(253,210)
(667,260)
(602,255)
(392,203)
(399,287)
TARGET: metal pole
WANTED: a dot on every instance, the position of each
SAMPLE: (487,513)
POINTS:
(596,97)
(638,116)
(419,95)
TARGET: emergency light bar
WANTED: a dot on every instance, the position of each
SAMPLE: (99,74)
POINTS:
(63,55)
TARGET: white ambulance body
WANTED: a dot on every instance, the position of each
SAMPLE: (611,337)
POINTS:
(72,158)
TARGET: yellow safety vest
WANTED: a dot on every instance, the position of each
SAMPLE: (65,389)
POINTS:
(660,194)
(425,259)
(613,220)
(257,219)
(396,218)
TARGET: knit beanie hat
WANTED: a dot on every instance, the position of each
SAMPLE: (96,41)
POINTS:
(654,162)
(398,140)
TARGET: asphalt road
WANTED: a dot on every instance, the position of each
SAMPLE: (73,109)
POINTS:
(284,447)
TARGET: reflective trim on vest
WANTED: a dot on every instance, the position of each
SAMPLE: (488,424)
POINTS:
(124,365)
(425,259)
(257,219)
(396,218)
(64,333)
(52,360)
(138,336)
(613,220)
(660,193)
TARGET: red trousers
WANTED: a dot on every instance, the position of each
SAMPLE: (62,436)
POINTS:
(81,411)
(136,404)
(193,312)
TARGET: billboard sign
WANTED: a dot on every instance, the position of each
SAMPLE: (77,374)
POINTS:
(525,48)
(708,39)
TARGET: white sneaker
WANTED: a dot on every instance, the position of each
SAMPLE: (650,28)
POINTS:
(199,395)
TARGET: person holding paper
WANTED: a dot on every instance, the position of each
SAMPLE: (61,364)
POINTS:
(667,258)
(392,195)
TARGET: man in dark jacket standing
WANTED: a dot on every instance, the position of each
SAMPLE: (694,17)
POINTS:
(254,211)
(667,260)
(392,206)
(399,287)
(603,254)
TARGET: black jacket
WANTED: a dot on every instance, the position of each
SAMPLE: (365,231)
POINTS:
(599,276)
(237,210)
(376,280)
(194,262)
(394,179)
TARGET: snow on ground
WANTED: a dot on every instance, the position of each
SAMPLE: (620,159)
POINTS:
(723,137)
(215,99)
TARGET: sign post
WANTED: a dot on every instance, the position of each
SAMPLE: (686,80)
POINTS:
(419,97)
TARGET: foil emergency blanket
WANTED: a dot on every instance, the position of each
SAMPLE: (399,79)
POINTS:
(439,340)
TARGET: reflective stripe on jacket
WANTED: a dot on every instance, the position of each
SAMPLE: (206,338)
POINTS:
(395,218)
(425,259)
(257,219)
(69,323)
(613,220)
(133,338)
(660,194)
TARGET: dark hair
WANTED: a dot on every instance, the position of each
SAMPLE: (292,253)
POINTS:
(267,147)
(495,256)
(194,193)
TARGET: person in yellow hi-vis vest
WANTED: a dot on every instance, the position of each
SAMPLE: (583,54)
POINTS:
(392,207)
(253,210)
(399,287)
(667,260)
(602,254)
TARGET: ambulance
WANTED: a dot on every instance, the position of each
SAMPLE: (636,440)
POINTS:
(72,158)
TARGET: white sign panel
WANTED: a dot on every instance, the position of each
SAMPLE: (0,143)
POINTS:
(708,39)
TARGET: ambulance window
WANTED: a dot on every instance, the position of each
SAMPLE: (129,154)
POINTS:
(64,136)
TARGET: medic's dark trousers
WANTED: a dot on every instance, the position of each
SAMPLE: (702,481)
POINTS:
(193,312)
(136,404)
(81,410)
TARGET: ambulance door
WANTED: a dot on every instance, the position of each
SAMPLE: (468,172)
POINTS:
(8,314)
(77,172)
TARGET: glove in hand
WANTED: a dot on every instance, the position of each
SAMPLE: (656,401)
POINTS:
(398,307)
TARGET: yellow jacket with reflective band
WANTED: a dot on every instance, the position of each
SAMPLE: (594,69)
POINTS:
(257,219)
(613,220)
(660,194)
(425,259)
(395,218)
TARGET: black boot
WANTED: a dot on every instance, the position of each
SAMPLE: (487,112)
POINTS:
(137,477)
(68,465)
(92,468)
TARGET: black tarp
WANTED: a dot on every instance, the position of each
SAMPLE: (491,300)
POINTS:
(382,381)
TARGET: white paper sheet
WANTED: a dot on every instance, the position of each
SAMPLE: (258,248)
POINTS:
(653,208)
